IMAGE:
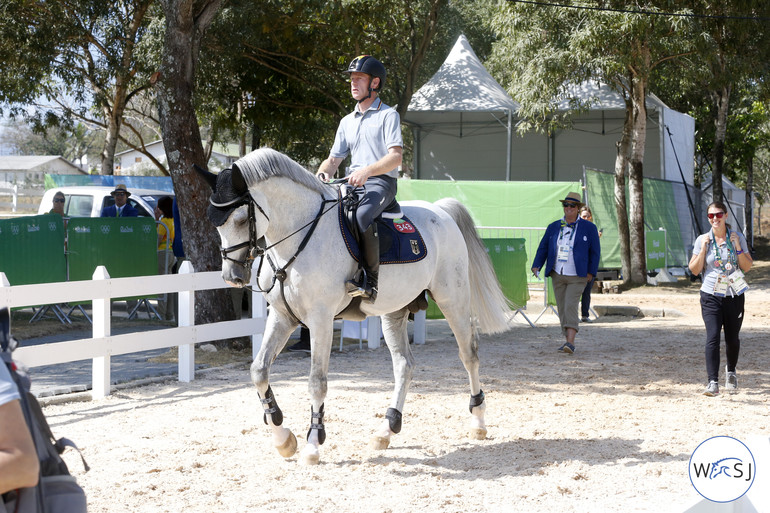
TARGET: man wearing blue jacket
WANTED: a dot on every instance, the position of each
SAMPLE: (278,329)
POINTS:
(121,208)
(570,249)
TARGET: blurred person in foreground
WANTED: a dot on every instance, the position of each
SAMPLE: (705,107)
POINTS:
(19,465)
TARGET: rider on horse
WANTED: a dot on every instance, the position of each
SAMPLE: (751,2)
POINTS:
(371,135)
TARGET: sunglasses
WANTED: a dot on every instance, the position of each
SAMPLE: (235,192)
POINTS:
(58,200)
(718,215)
(569,205)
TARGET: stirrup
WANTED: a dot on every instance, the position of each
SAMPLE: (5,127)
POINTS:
(361,286)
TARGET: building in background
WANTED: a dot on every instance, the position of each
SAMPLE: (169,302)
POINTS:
(31,171)
(135,163)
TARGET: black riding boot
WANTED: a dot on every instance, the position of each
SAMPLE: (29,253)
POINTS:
(366,285)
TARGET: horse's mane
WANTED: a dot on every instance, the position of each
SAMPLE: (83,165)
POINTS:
(265,163)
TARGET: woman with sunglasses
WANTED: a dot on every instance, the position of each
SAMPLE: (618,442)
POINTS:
(570,250)
(721,255)
(58,204)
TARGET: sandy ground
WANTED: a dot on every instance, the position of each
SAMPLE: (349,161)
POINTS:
(609,429)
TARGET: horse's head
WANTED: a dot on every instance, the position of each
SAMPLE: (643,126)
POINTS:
(232,211)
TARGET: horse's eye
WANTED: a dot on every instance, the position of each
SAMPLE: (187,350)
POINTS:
(241,215)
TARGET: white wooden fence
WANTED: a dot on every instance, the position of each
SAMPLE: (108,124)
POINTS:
(103,344)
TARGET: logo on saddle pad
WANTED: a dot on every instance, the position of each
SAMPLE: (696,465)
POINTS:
(403,226)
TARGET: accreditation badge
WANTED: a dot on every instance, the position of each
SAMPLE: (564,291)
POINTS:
(738,282)
(563,254)
(720,287)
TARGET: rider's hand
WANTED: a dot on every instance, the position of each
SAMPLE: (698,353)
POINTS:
(358,177)
(322,176)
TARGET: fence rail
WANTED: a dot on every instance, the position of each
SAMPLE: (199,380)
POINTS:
(102,345)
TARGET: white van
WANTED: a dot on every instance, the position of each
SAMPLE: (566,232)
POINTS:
(89,200)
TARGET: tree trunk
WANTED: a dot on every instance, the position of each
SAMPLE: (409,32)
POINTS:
(635,182)
(722,101)
(110,142)
(749,208)
(621,165)
(186,22)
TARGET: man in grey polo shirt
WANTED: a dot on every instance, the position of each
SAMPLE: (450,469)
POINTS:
(371,135)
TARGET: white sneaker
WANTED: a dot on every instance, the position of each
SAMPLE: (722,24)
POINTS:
(731,382)
(712,390)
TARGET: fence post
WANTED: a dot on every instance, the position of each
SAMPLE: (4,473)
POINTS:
(258,307)
(186,316)
(420,328)
(100,310)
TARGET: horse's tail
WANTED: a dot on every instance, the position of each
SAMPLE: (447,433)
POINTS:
(488,303)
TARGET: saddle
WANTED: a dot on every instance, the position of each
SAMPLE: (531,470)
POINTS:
(400,243)
(400,240)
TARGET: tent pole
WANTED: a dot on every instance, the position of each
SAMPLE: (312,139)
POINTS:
(416,157)
(508,154)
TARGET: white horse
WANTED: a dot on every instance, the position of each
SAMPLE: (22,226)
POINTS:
(269,199)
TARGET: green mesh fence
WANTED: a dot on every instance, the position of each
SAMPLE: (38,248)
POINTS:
(659,212)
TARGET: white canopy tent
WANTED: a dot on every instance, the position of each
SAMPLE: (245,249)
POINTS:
(462,122)
(461,119)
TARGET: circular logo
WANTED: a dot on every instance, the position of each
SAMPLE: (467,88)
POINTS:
(722,469)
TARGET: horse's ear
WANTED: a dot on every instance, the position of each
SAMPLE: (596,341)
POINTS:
(210,177)
(239,184)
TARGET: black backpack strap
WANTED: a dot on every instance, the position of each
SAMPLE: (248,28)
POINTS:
(57,446)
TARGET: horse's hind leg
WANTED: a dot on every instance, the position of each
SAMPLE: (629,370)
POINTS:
(458,316)
(397,339)
(277,332)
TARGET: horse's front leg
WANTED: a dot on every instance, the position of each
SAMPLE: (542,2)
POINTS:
(320,349)
(397,339)
(277,331)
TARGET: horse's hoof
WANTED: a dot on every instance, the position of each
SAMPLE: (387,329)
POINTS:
(478,433)
(379,443)
(310,455)
(289,447)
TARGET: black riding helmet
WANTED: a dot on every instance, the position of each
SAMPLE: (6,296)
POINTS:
(369,65)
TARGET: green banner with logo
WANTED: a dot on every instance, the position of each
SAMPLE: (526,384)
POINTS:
(32,249)
(655,243)
(126,246)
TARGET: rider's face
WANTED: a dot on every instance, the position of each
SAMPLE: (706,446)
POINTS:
(359,85)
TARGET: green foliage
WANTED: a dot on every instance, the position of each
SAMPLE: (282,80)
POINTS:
(541,50)
(274,69)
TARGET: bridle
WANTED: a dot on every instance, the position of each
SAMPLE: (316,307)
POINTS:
(256,250)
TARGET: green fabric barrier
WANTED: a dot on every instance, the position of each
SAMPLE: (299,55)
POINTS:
(509,259)
(514,204)
(125,246)
(32,249)
(499,204)
(659,211)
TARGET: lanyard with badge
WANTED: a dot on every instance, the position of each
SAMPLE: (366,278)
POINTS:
(729,274)
(566,245)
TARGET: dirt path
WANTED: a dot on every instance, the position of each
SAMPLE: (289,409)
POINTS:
(608,429)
